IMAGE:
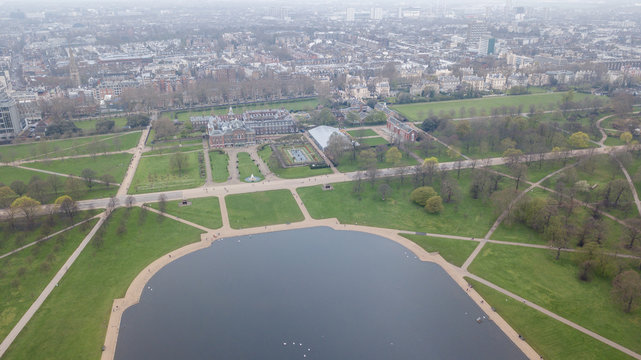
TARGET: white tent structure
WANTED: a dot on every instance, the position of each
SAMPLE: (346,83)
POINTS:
(321,135)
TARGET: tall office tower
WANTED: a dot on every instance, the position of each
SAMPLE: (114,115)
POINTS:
(508,9)
(474,32)
(376,14)
(10,124)
(486,45)
(74,74)
(350,14)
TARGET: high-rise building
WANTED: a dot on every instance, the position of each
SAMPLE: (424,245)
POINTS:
(350,13)
(10,124)
(474,32)
(376,14)
(486,44)
(74,74)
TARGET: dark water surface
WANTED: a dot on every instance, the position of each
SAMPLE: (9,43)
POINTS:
(307,294)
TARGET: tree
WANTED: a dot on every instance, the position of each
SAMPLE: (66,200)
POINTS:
(384,190)
(105,126)
(178,162)
(107,179)
(19,187)
(421,194)
(368,158)
(579,140)
(626,290)
(7,196)
(450,190)
(324,117)
(130,201)
(519,171)
(626,137)
(27,206)
(557,235)
(162,203)
(67,206)
(55,184)
(165,128)
(135,121)
(73,187)
(430,124)
(336,146)
(632,232)
(393,156)
(512,157)
(89,176)
(434,205)
(431,166)
(38,190)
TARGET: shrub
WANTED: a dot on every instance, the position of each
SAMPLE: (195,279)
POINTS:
(421,194)
(434,205)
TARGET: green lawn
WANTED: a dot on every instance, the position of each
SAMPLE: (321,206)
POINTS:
(536,276)
(438,150)
(9,174)
(347,164)
(292,172)
(537,170)
(116,165)
(262,208)
(154,174)
(247,167)
(374,141)
(26,273)
(115,142)
(454,251)
(52,147)
(419,111)
(172,149)
(549,338)
(468,217)
(90,125)
(12,239)
(362,133)
(613,141)
(72,323)
(219,163)
(296,105)
(202,211)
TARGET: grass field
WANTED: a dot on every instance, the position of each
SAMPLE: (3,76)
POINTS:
(536,276)
(438,150)
(202,211)
(292,172)
(537,170)
(26,273)
(12,239)
(72,323)
(374,141)
(453,251)
(73,146)
(116,165)
(262,208)
(9,174)
(247,167)
(219,163)
(548,337)
(172,149)
(362,132)
(347,164)
(468,217)
(299,105)
(419,111)
(154,174)
(90,125)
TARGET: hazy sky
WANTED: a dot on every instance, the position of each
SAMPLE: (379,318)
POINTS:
(30,5)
